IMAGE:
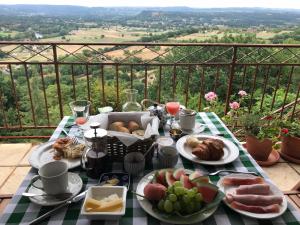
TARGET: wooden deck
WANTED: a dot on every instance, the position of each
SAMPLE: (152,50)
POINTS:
(14,166)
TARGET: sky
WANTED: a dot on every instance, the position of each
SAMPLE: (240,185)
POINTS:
(292,4)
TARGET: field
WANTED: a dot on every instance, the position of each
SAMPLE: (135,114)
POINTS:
(122,34)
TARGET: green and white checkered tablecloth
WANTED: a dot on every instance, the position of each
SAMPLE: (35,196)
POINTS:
(21,211)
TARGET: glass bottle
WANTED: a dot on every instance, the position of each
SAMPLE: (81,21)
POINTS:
(131,104)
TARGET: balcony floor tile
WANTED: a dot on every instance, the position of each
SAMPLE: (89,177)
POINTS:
(12,154)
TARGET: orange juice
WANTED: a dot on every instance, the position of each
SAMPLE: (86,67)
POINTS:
(172,107)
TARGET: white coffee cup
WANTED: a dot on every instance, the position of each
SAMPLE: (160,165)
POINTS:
(54,177)
(187,119)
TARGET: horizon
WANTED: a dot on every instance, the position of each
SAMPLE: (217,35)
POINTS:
(276,4)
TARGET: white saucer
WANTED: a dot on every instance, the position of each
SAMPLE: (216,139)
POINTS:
(199,127)
(74,186)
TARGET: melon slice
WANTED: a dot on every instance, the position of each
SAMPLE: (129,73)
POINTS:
(186,182)
(202,179)
(160,177)
(169,178)
(177,173)
(195,175)
(208,191)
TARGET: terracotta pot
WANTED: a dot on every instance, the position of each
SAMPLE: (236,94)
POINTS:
(291,146)
(259,150)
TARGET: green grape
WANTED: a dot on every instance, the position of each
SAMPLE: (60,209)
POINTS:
(160,205)
(179,191)
(190,193)
(170,189)
(198,197)
(195,189)
(186,199)
(168,206)
(177,206)
(177,184)
(172,198)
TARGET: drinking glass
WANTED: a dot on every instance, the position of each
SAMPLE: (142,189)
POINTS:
(80,110)
(172,107)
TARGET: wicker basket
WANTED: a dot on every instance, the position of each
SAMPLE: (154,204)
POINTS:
(116,150)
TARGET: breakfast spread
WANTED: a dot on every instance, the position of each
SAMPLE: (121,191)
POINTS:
(131,127)
(112,203)
(209,149)
(65,148)
(252,194)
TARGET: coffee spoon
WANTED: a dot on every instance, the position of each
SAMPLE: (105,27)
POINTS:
(58,196)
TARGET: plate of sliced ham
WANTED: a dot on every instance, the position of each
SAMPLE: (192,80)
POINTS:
(252,196)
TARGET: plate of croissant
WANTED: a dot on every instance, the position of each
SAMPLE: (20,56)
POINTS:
(207,149)
(61,149)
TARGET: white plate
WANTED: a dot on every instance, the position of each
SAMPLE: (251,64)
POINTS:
(44,154)
(174,219)
(74,187)
(231,151)
(199,127)
(273,188)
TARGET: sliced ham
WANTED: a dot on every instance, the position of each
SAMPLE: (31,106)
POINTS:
(259,200)
(255,189)
(274,208)
(236,181)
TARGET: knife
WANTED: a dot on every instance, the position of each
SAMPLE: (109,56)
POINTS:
(76,198)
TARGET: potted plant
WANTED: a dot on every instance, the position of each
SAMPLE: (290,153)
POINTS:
(290,136)
(261,134)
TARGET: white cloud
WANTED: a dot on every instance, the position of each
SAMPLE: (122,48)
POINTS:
(190,3)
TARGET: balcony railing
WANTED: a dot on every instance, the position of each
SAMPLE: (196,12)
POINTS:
(38,79)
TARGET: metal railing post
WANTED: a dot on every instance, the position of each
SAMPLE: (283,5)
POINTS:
(231,75)
(55,62)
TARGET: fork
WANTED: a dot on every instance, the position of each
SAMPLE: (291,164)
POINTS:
(57,196)
(73,138)
(230,171)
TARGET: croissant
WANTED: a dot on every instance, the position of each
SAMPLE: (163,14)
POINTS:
(210,149)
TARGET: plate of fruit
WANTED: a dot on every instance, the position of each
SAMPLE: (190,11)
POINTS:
(178,196)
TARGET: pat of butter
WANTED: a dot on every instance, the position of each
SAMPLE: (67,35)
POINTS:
(111,203)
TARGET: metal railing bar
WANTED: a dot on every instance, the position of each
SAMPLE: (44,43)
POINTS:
(253,87)
(117,86)
(269,56)
(276,88)
(220,54)
(217,78)
(148,44)
(131,77)
(56,68)
(174,82)
(287,90)
(159,84)
(201,92)
(15,95)
(230,80)
(88,81)
(146,82)
(44,93)
(187,86)
(266,78)
(37,53)
(103,85)
(73,82)
(2,107)
(30,94)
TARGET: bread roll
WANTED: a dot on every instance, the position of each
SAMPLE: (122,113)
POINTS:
(192,142)
(114,126)
(139,132)
(123,129)
(132,126)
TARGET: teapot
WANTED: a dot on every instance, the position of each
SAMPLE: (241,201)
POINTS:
(156,109)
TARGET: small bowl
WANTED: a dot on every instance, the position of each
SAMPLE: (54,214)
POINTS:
(175,134)
(100,192)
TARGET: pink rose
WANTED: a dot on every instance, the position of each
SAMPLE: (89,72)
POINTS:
(242,93)
(211,96)
(234,105)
